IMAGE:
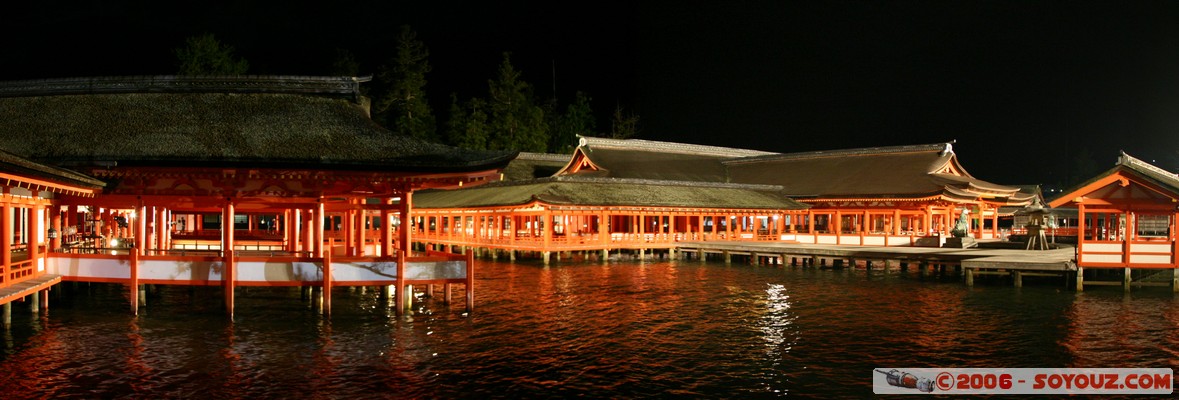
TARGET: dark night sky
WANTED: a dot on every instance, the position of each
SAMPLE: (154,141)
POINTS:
(1031,90)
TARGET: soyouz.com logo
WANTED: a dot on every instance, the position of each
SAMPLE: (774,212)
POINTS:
(1023,380)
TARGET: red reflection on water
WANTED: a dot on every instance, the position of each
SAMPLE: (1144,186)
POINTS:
(325,363)
(135,363)
(34,371)
(233,380)
(1137,332)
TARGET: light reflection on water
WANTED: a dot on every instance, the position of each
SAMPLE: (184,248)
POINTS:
(622,329)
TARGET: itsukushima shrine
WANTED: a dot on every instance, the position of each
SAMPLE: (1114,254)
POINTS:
(286,181)
(221,181)
(637,194)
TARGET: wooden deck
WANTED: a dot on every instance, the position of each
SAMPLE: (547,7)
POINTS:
(972,261)
(1059,260)
(24,288)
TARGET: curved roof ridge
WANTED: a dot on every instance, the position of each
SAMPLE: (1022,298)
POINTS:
(649,182)
(686,148)
(945,147)
(60,174)
(661,182)
(1138,164)
(343,86)
(525,155)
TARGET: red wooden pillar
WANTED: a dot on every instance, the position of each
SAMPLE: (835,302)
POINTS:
(6,237)
(546,224)
(810,221)
(133,280)
(995,223)
(169,224)
(229,275)
(977,232)
(671,234)
(307,220)
(927,221)
(604,230)
(404,213)
(140,226)
(349,226)
(1080,233)
(896,222)
(288,233)
(327,283)
(837,225)
(1174,245)
(55,224)
(361,227)
(404,249)
(71,218)
(35,224)
(450,227)
(317,231)
(1125,238)
(386,230)
(161,229)
(949,223)
(470,282)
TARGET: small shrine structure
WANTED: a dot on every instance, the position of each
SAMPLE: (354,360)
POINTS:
(1126,220)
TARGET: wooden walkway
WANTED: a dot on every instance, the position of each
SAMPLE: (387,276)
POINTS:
(25,288)
(1041,260)
(972,261)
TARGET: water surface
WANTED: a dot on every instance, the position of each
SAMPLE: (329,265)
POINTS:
(616,330)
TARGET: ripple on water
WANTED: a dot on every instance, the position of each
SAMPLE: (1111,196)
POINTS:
(655,329)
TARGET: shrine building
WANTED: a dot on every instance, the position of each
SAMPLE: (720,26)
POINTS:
(884,196)
(1126,223)
(217,181)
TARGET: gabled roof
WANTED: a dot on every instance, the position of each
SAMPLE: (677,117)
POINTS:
(900,170)
(227,121)
(644,159)
(1155,182)
(914,171)
(582,191)
(534,165)
(929,171)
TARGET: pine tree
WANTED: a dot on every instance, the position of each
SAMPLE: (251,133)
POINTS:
(516,122)
(623,125)
(578,119)
(204,55)
(345,64)
(467,126)
(404,107)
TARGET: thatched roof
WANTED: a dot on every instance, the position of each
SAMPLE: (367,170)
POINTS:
(250,121)
(534,165)
(23,167)
(609,192)
(912,172)
(897,171)
(645,159)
